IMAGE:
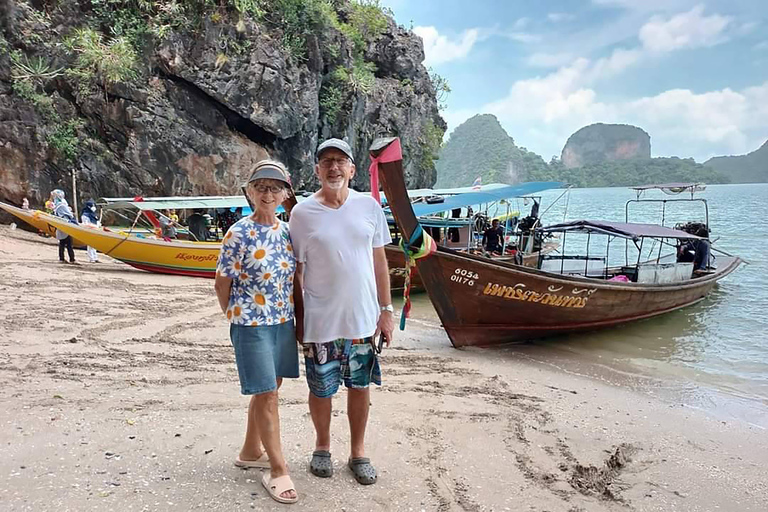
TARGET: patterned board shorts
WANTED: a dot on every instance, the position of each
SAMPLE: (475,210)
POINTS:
(352,361)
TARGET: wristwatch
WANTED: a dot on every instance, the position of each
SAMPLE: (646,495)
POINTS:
(388,307)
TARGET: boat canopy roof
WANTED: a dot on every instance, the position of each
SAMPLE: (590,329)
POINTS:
(620,229)
(673,188)
(488,195)
(181,203)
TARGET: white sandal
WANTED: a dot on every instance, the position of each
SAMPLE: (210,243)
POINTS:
(277,486)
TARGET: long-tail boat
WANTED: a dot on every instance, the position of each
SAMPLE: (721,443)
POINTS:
(36,219)
(486,302)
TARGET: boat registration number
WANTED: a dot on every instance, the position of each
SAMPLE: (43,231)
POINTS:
(464,276)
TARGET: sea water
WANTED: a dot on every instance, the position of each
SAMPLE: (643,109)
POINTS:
(713,354)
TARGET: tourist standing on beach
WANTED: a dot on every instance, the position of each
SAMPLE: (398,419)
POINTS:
(254,286)
(89,218)
(339,237)
(61,209)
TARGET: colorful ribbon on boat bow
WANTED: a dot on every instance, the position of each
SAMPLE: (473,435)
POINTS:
(428,246)
(393,153)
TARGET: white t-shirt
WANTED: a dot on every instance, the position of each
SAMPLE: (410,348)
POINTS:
(336,248)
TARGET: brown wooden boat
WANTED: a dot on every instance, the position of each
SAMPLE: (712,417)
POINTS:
(486,302)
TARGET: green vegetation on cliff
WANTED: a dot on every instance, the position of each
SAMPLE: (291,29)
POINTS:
(481,147)
(641,171)
(749,168)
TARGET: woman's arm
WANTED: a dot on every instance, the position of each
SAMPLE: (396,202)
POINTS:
(298,301)
(223,286)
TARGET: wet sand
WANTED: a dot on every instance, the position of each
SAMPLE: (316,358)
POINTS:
(120,391)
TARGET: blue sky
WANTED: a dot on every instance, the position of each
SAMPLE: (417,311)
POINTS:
(693,74)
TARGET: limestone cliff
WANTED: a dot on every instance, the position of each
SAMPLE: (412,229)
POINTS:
(600,142)
(212,89)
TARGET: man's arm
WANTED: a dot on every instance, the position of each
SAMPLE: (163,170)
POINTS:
(223,287)
(386,323)
(298,301)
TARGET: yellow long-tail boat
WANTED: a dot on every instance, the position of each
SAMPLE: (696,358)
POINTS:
(36,219)
(196,259)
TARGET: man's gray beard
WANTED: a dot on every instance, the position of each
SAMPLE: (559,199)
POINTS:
(336,185)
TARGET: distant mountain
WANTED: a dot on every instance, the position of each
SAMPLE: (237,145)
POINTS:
(749,168)
(639,171)
(598,143)
(599,155)
(480,147)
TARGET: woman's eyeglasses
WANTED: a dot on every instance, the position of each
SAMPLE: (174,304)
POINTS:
(327,163)
(263,189)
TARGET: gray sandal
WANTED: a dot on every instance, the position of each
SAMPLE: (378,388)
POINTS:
(321,464)
(364,472)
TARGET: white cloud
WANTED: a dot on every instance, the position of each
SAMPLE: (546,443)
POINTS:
(521,23)
(763,45)
(557,17)
(549,60)
(690,29)
(438,49)
(542,112)
(522,37)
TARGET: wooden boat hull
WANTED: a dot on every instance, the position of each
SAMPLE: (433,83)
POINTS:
(486,302)
(37,219)
(396,263)
(517,303)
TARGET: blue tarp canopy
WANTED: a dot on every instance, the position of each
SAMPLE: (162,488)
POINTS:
(484,196)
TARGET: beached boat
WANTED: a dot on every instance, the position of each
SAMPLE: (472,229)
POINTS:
(37,219)
(188,258)
(486,302)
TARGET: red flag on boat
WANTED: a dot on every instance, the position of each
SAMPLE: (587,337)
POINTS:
(477,183)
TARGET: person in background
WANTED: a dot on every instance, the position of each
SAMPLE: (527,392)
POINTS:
(197,225)
(167,228)
(61,209)
(255,289)
(173,216)
(89,218)
(702,251)
(25,204)
(493,238)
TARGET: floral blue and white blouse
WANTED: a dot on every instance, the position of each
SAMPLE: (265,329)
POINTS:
(259,259)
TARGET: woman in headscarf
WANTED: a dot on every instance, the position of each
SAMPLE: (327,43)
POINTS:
(61,209)
(89,218)
(254,286)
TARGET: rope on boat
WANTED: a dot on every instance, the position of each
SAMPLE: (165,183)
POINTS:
(428,247)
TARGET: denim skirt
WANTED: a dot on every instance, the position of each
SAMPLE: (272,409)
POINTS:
(263,354)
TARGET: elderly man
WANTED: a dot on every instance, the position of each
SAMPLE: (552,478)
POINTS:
(338,237)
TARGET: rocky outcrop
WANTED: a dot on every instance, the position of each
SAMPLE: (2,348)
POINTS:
(206,105)
(600,142)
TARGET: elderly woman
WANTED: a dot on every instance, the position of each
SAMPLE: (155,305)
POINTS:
(254,285)
(61,209)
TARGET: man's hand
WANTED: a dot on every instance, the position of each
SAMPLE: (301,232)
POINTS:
(386,326)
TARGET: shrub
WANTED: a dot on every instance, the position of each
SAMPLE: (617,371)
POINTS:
(107,62)
(65,141)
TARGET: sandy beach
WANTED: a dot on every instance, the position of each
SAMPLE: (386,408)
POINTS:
(120,392)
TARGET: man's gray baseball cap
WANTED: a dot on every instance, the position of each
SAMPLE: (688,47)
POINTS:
(335,144)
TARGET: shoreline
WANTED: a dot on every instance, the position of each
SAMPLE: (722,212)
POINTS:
(121,391)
